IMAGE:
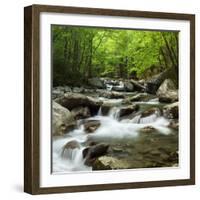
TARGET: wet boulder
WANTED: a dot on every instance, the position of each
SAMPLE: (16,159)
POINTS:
(149,116)
(81,112)
(109,163)
(151,111)
(171,111)
(127,110)
(73,100)
(112,95)
(167,92)
(105,108)
(69,147)
(97,83)
(78,89)
(93,152)
(67,89)
(72,145)
(174,124)
(140,97)
(138,86)
(63,120)
(147,129)
(128,86)
(57,92)
(118,88)
(91,126)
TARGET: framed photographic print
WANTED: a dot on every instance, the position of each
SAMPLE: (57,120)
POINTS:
(109,99)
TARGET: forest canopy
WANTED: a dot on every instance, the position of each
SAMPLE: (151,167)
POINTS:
(80,53)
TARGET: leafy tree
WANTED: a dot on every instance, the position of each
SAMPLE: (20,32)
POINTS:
(83,52)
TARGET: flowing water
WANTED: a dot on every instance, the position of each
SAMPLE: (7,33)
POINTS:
(141,150)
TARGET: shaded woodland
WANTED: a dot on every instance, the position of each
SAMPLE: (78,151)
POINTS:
(80,53)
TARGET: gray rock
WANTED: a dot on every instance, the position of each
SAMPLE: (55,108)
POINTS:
(72,145)
(112,95)
(174,124)
(105,108)
(147,129)
(167,92)
(67,89)
(151,111)
(92,153)
(118,88)
(109,162)
(129,87)
(74,100)
(68,148)
(91,125)
(171,111)
(140,97)
(78,89)
(57,93)
(138,86)
(96,82)
(81,112)
(127,110)
(63,120)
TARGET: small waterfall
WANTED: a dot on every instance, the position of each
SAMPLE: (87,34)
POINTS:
(74,155)
(99,112)
(114,113)
(136,119)
(149,119)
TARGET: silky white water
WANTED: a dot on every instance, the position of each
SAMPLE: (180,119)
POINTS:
(111,127)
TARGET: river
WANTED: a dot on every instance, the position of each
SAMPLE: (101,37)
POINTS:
(129,146)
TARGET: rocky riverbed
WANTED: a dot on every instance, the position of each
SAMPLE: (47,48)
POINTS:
(114,124)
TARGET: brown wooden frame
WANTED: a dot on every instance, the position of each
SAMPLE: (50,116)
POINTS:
(32,105)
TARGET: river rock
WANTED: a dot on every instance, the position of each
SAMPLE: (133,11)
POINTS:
(78,89)
(73,100)
(111,82)
(128,86)
(109,162)
(92,153)
(171,111)
(96,82)
(112,95)
(154,83)
(67,89)
(127,110)
(57,93)
(174,124)
(81,112)
(63,120)
(140,97)
(167,92)
(151,111)
(72,145)
(148,116)
(91,126)
(68,148)
(105,108)
(89,90)
(147,129)
(138,86)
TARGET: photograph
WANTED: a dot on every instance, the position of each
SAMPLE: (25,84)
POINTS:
(114,98)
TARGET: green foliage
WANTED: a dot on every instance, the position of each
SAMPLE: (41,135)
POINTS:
(83,52)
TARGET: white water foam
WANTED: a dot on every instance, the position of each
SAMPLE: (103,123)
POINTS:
(111,127)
